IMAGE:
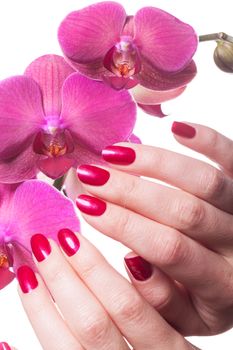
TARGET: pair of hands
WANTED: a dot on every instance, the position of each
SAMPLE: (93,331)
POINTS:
(181,266)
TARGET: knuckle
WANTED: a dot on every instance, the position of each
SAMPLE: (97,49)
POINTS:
(190,213)
(125,222)
(96,328)
(173,251)
(130,307)
(214,181)
(130,190)
(212,139)
(55,273)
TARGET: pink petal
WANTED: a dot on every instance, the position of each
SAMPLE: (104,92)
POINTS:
(151,97)
(119,83)
(55,167)
(21,114)
(135,139)
(154,110)
(20,168)
(39,208)
(86,35)
(6,277)
(94,70)
(164,40)
(95,114)
(21,255)
(154,79)
(49,72)
(129,28)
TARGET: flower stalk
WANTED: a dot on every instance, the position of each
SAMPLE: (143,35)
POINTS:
(216,37)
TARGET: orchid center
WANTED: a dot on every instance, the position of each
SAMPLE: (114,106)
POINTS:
(4,262)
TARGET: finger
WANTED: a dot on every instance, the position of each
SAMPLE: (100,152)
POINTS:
(197,268)
(189,174)
(172,302)
(141,325)
(83,313)
(46,321)
(207,141)
(188,214)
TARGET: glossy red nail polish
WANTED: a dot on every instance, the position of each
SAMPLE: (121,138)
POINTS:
(139,268)
(68,241)
(40,247)
(92,175)
(27,279)
(183,130)
(119,155)
(90,205)
(4,346)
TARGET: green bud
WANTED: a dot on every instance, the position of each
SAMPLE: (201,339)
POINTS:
(223,56)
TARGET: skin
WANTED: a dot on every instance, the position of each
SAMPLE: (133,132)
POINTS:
(184,231)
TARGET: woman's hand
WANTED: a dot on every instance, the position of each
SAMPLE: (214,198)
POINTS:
(185,231)
(81,302)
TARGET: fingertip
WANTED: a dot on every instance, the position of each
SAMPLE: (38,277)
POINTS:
(183,130)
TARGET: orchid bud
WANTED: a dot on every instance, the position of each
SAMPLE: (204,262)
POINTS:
(223,56)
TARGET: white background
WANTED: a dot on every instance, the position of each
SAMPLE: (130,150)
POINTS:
(28,30)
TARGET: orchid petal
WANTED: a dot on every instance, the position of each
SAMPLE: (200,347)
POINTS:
(134,139)
(55,167)
(154,79)
(119,83)
(95,114)
(94,70)
(154,110)
(6,277)
(18,169)
(86,35)
(163,39)
(151,97)
(129,27)
(21,256)
(21,114)
(50,72)
(40,208)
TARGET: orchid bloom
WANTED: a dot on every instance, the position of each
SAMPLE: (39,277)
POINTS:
(152,50)
(26,209)
(52,119)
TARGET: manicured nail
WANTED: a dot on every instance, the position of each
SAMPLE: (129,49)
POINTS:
(92,175)
(68,241)
(90,205)
(40,247)
(27,279)
(119,155)
(4,346)
(183,130)
(139,268)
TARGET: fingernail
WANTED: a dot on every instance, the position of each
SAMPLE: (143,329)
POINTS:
(40,247)
(27,279)
(92,175)
(90,205)
(4,346)
(183,130)
(68,241)
(139,268)
(119,155)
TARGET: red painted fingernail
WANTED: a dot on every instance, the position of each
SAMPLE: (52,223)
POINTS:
(40,247)
(4,346)
(27,279)
(92,175)
(68,241)
(183,130)
(139,268)
(90,205)
(119,155)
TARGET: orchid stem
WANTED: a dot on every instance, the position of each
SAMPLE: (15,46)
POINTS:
(216,36)
(58,183)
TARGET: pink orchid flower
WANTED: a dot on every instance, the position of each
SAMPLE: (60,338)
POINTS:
(26,209)
(52,119)
(152,50)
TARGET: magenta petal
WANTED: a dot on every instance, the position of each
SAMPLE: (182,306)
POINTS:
(135,139)
(154,110)
(20,168)
(21,114)
(21,255)
(50,72)
(86,35)
(39,208)
(55,167)
(95,114)
(129,27)
(154,79)
(164,40)
(119,83)
(151,97)
(6,277)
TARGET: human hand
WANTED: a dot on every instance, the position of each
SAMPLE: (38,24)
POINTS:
(185,232)
(95,307)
